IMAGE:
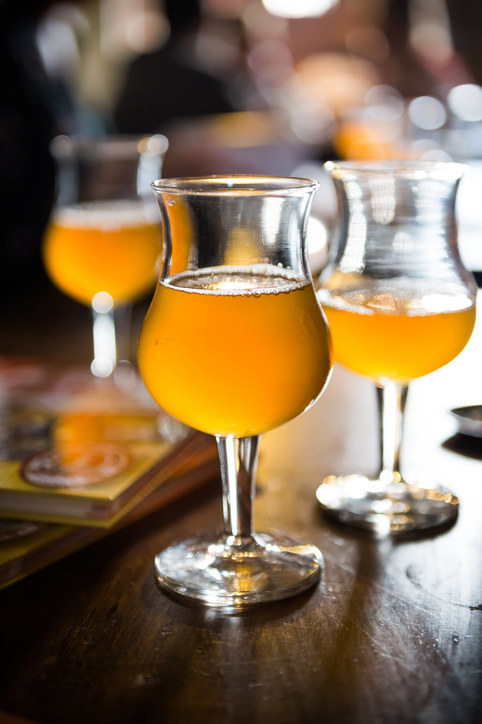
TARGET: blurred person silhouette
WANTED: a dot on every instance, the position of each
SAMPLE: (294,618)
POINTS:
(34,107)
(169,83)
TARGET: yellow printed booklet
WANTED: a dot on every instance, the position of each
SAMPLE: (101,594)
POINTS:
(79,457)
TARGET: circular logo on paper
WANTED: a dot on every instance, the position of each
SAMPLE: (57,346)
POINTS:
(13,529)
(75,465)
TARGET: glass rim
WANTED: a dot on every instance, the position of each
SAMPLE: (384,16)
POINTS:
(409,168)
(118,146)
(234,185)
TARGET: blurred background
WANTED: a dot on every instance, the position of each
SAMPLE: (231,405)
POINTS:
(237,86)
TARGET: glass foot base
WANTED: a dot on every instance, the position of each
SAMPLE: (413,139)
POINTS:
(391,509)
(231,573)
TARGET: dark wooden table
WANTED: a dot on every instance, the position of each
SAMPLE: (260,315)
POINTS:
(392,634)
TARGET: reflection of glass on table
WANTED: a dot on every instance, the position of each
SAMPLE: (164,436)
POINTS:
(400,305)
(102,246)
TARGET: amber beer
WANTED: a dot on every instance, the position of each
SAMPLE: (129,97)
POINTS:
(110,247)
(398,336)
(234,354)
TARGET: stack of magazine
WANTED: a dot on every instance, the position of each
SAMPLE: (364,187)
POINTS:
(80,457)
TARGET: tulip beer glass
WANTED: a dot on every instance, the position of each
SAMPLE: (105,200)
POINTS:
(234,344)
(400,305)
(103,240)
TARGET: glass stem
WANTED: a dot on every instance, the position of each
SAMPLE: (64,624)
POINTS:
(123,323)
(391,398)
(238,458)
(105,355)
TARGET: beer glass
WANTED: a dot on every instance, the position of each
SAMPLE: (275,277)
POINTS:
(400,304)
(234,344)
(103,242)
